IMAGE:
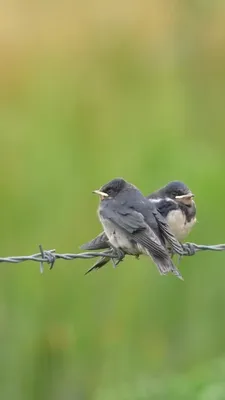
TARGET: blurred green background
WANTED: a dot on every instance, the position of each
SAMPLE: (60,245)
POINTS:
(90,91)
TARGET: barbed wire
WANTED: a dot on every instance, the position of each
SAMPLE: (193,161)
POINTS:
(50,256)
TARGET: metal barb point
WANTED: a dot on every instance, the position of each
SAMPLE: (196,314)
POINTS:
(51,258)
(41,263)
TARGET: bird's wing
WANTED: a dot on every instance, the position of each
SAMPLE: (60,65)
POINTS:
(134,225)
(98,243)
(167,234)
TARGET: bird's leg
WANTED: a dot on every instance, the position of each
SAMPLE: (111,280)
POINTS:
(189,249)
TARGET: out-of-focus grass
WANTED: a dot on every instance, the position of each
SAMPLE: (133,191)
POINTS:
(140,101)
(202,383)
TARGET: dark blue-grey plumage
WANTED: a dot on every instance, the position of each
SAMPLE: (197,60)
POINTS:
(175,203)
(133,224)
(179,216)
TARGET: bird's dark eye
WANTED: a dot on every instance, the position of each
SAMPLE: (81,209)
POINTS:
(178,193)
(109,191)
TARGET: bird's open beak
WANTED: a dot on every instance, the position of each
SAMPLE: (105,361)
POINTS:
(185,198)
(101,194)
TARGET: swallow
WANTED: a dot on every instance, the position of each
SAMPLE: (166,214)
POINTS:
(134,226)
(175,203)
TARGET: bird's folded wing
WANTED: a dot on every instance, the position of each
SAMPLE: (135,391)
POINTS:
(134,225)
(163,206)
(167,234)
(98,243)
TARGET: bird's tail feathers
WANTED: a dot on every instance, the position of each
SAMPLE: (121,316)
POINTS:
(99,264)
(165,265)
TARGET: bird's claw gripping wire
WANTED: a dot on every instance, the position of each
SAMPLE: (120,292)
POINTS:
(119,256)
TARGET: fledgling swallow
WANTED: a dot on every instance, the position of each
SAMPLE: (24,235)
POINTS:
(134,226)
(174,202)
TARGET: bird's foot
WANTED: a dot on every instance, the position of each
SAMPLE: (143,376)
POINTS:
(119,256)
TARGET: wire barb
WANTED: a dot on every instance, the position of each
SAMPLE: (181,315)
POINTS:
(50,256)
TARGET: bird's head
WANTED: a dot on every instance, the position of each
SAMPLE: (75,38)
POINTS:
(111,189)
(179,192)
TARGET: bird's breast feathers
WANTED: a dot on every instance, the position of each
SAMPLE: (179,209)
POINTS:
(117,237)
(179,225)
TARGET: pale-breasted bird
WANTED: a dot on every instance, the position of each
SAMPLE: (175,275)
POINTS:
(174,202)
(133,225)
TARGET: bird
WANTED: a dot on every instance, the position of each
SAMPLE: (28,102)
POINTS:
(175,203)
(134,226)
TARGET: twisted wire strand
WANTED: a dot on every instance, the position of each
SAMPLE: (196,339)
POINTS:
(50,256)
